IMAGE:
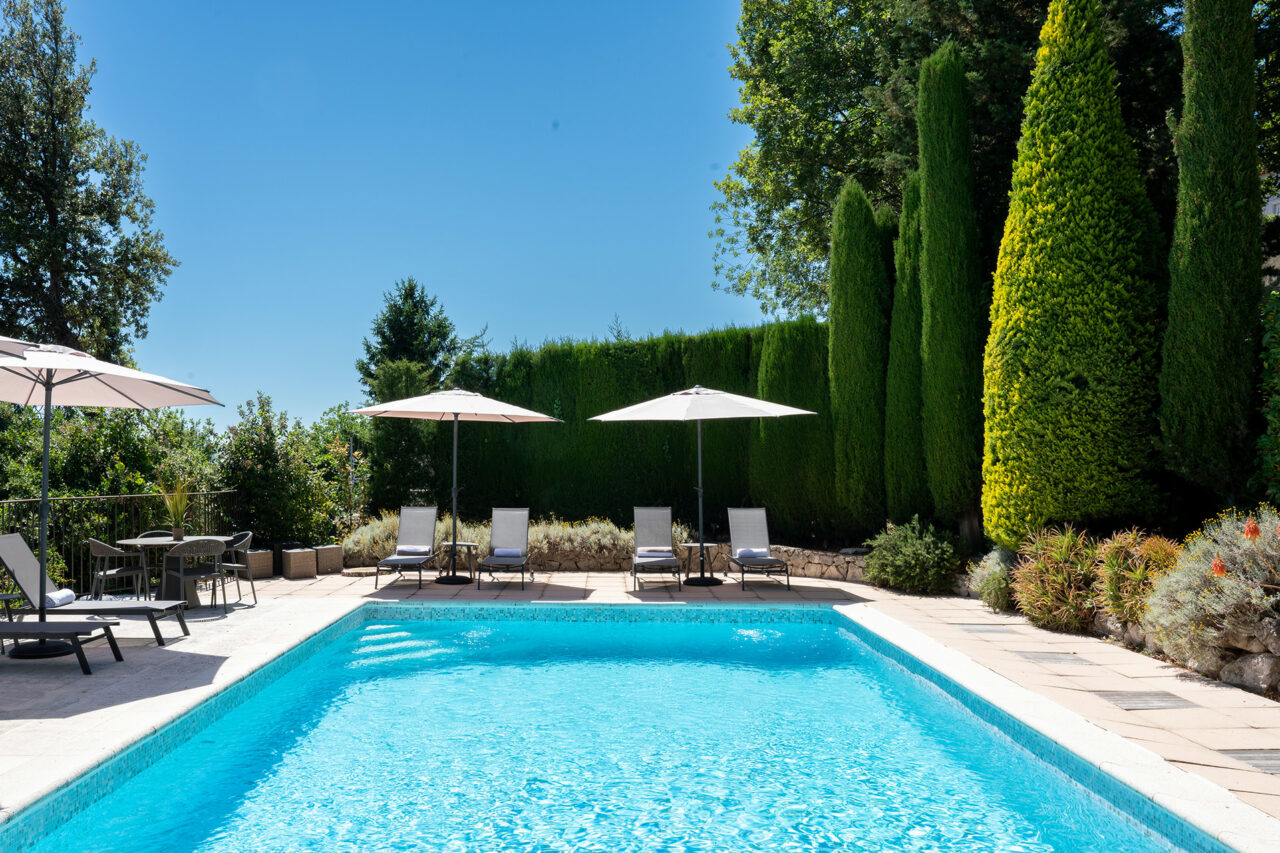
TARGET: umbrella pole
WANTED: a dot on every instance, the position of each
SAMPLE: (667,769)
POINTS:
(43,648)
(453,577)
(703,579)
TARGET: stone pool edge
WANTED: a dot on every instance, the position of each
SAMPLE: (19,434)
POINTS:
(1209,807)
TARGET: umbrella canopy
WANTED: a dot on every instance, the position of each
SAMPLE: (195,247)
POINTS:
(13,346)
(455,406)
(48,375)
(701,404)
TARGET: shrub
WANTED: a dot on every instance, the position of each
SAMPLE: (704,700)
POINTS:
(953,322)
(1129,563)
(906,486)
(1053,579)
(857,354)
(1208,372)
(1070,366)
(914,557)
(989,579)
(1194,612)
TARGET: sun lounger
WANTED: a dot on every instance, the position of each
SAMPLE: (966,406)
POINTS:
(655,546)
(69,631)
(415,544)
(24,568)
(749,548)
(508,544)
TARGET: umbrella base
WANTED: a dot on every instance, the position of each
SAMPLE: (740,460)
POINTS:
(453,580)
(703,580)
(37,649)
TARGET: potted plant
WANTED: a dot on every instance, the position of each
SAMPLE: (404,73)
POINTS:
(177,507)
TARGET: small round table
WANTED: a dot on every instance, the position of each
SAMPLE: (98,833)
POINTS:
(451,548)
(709,579)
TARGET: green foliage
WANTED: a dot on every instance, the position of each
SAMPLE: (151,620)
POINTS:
(176,498)
(828,89)
(989,579)
(400,449)
(1266,15)
(413,327)
(1207,380)
(1129,564)
(1191,611)
(80,260)
(1071,359)
(792,459)
(914,557)
(1268,471)
(265,459)
(951,299)
(861,296)
(905,484)
(335,441)
(1053,579)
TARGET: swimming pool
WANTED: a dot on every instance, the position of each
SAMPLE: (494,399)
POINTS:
(472,727)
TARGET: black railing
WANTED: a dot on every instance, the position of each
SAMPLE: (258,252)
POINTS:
(75,520)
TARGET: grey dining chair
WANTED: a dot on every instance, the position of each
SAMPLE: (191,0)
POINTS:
(111,563)
(238,565)
(198,550)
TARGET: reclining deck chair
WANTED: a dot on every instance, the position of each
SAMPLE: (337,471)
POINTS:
(508,544)
(749,546)
(415,544)
(655,546)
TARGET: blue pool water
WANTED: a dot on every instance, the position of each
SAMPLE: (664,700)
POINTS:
(505,734)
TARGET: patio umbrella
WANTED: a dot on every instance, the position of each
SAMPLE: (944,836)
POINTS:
(700,404)
(49,375)
(13,346)
(455,406)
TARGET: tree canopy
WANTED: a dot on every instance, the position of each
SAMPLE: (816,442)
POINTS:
(412,326)
(80,260)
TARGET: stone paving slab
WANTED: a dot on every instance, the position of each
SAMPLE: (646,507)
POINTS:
(55,722)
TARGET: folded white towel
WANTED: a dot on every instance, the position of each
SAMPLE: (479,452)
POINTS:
(752,552)
(506,552)
(413,551)
(59,597)
(654,552)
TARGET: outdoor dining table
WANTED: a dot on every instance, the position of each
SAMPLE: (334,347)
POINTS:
(168,586)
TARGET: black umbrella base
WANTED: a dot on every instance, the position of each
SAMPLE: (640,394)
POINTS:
(453,580)
(703,580)
(41,649)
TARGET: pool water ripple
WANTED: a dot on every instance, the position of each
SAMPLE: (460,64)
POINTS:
(610,736)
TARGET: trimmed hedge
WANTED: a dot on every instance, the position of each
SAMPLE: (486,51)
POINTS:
(858,351)
(906,485)
(1070,368)
(1210,348)
(951,284)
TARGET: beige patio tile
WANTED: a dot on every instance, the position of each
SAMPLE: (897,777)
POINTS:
(1233,738)
(1268,803)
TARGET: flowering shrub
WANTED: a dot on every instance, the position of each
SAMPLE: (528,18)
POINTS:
(1129,563)
(989,579)
(913,557)
(1226,581)
(1054,577)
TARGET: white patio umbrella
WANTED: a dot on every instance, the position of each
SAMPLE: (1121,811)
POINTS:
(701,404)
(455,406)
(13,346)
(49,375)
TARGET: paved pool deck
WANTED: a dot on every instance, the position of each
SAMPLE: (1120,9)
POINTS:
(56,723)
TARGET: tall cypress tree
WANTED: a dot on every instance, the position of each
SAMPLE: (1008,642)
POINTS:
(1070,368)
(951,283)
(906,485)
(1211,344)
(857,356)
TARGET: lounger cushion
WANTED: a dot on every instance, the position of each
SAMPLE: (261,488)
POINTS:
(654,552)
(507,552)
(414,550)
(752,552)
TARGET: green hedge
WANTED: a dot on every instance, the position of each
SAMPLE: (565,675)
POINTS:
(581,468)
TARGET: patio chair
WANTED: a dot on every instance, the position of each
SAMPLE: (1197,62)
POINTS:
(207,557)
(415,544)
(238,567)
(655,546)
(24,568)
(111,563)
(749,548)
(508,544)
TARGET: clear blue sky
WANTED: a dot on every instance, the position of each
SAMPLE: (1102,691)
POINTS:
(540,166)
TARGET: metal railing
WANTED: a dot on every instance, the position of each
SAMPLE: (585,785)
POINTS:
(74,520)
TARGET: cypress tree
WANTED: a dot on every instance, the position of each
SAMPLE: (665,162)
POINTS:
(1070,367)
(906,486)
(1211,344)
(951,283)
(857,356)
